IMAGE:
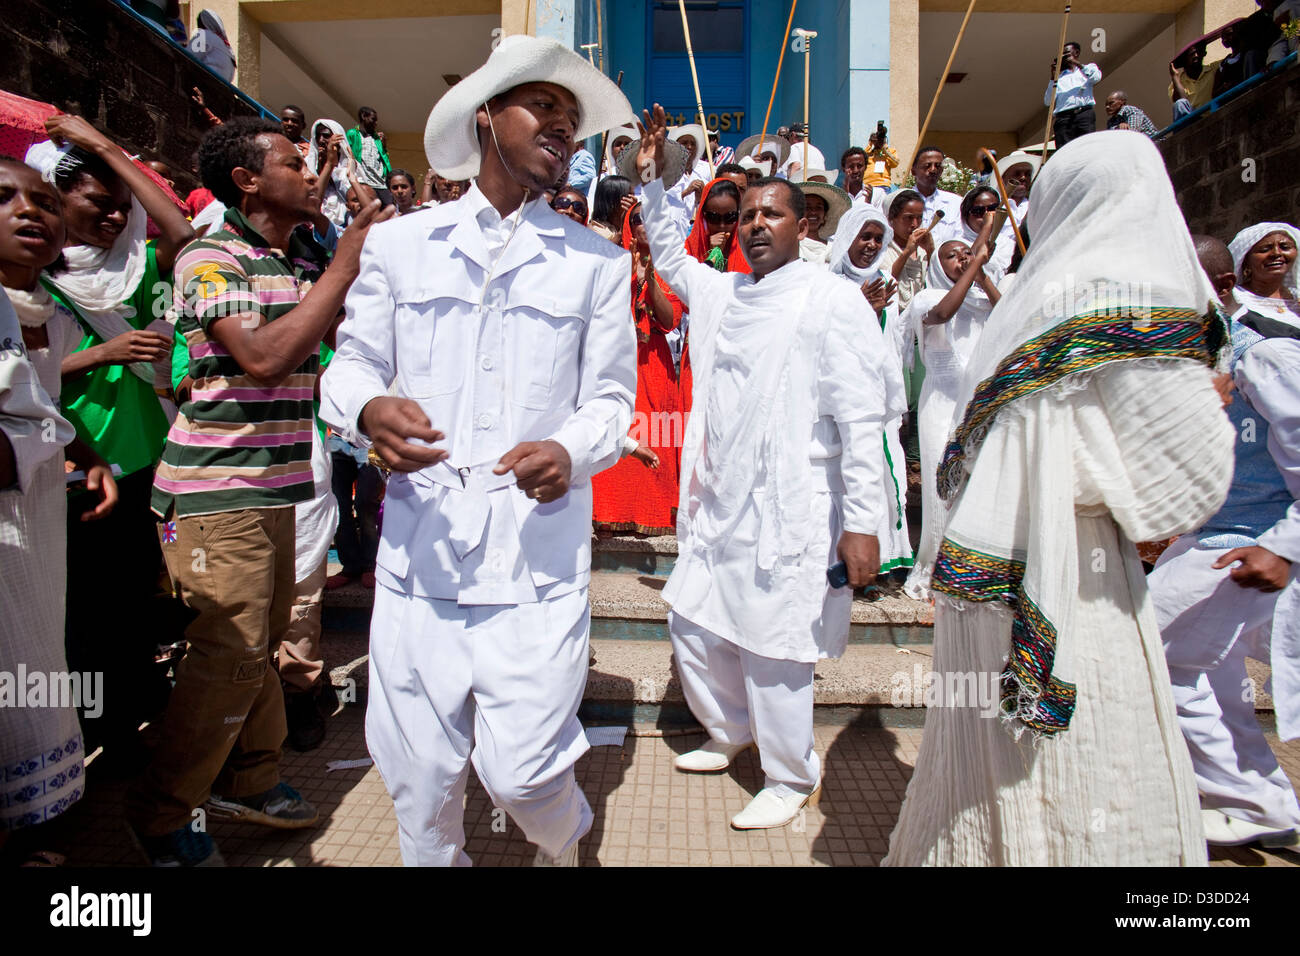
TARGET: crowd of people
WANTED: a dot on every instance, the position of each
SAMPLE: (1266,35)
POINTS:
(456,384)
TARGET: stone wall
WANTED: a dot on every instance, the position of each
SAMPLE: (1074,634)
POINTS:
(93,58)
(1239,165)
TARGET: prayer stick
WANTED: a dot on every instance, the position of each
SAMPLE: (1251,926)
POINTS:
(1056,76)
(943,80)
(1006,198)
(777,79)
(590,56)
(695,78)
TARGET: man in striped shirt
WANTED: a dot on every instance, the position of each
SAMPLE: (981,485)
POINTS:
(254,305)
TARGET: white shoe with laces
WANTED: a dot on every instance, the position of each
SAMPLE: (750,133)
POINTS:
(774,807)
(711,757)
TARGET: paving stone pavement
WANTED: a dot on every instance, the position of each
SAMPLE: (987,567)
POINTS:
(646,813)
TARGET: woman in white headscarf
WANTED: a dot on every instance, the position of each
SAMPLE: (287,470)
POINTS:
(946,318)
(1268,279)
(857,253)
(332,165)
(211,46)
(1082,429)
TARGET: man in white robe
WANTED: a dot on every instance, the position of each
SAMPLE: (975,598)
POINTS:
(781,470)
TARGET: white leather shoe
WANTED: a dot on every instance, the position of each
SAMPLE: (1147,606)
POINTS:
(568,858)
(711,757)
(774,808)
(1223,830)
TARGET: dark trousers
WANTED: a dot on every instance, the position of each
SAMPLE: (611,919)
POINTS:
(115,618)
(357,538)
(1071,124)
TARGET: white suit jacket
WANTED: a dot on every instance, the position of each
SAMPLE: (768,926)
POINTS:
(498,345)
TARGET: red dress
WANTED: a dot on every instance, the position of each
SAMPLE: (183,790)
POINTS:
(631,496)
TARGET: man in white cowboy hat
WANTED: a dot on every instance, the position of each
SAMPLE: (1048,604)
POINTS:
(824,204)
(497,329)
(1017,170)
(781,468)
(772,150)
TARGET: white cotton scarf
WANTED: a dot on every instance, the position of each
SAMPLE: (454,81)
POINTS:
(850,225)
(1104,215)
(34,308)
(99,281)
(762,443)
(334,194)
(1241,244)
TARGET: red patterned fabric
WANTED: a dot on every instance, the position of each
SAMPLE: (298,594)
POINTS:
(22,122)
(630,496)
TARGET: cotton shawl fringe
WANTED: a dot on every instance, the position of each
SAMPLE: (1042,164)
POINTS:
(1016,546)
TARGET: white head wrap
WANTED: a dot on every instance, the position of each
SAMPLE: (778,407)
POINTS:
(851,225)
(333,199)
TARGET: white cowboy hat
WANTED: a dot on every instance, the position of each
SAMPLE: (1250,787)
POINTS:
(451,137)
(630,132)
(748,162)
(829,175)
(1016,158)
(676,157)
(838,202)
(694,130)
(774,144)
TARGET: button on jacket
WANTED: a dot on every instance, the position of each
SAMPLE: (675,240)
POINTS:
(504,331)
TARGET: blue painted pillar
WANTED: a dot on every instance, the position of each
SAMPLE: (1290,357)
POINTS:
(556,19)
(868,68)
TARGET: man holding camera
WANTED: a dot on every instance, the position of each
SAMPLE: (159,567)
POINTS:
(881,159)
(1075,109)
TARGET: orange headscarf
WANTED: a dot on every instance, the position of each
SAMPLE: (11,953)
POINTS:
(697,243)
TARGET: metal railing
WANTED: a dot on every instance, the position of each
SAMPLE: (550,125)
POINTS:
(158,29)
(1228,96)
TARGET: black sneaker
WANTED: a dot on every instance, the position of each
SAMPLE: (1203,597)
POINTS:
(183,847)
(281,807)
(306,723)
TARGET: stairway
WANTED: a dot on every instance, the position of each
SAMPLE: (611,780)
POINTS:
(633,679)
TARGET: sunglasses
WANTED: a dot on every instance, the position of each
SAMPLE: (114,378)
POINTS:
(722,218)
(984,210)
(634,220)
(575,204)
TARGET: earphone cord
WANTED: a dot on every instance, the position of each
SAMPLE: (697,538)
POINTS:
(518,213)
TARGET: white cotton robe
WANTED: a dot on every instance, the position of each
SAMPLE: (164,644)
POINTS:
(783,449)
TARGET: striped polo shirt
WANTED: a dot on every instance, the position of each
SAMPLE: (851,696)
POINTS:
(238,443)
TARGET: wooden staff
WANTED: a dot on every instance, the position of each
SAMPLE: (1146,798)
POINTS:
(777,79)
(943,81)
(695,78)
(1006,197)
(604,137)
(1051,100)
(600,34)
(590,56)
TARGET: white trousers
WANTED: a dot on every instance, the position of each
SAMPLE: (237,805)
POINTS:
(739,696)
(499,684)
(1210,625)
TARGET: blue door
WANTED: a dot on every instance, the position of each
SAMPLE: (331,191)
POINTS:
(720,39)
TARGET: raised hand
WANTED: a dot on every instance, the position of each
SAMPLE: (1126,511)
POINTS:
(654,132)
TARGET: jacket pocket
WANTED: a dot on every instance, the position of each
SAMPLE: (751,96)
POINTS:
(547,346)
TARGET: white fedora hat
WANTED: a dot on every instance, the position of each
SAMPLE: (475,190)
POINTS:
(451,137)
(829,175)
(747,163)
(1016,158)
(694,130)
(773,144)
(631,132)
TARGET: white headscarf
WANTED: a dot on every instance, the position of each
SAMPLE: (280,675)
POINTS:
(1241,245)
(850,226)
(1105,219)
(99,281)
(334,194)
